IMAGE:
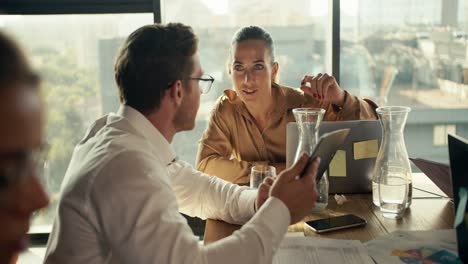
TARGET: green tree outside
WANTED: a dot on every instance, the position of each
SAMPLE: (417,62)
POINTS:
(71,95)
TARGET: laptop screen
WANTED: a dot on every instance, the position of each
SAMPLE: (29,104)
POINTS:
(439,174)
(351,169)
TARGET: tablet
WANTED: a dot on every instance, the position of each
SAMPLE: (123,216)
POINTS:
(326,148)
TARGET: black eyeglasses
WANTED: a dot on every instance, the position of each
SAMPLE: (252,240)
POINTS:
(205,86)
(207,81)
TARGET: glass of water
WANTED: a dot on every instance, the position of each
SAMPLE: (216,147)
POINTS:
(260,172)
(393,193)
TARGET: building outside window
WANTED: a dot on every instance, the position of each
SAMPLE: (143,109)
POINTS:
(412,53)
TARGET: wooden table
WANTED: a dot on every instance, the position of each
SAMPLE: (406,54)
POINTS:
(424,214)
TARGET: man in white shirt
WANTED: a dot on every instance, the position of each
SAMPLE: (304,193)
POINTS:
(124,187)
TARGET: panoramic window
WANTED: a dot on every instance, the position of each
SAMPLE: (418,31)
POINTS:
(412,53)
(74,54)
(299,28)
(394,52)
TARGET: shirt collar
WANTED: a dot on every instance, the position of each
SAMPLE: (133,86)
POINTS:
(161,146)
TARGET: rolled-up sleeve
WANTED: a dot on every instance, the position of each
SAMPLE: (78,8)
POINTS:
(155,232)
(209,197)
(354,108)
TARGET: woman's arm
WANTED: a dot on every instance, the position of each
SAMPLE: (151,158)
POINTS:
(215,152)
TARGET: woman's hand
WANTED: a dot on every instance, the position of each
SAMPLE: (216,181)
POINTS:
(324,88)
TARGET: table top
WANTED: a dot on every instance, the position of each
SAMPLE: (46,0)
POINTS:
(427,212)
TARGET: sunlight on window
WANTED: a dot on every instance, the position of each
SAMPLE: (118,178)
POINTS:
(74,55)
(301,41)
(441,134)
(350,7)
(397,53)
(219,7)
(318,8)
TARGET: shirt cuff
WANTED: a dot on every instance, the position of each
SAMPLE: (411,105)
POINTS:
(247,202)
(283,214)
(350,108)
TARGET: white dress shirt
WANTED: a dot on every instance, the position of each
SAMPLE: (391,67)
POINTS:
(122,195)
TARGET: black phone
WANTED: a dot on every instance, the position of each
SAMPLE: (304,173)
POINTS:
(326,148)
(335,223)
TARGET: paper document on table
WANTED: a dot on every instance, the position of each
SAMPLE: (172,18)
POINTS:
(321,250)
(294,234)
(399,247)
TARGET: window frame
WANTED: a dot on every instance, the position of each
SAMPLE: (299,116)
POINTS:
(59,7)
(55,7)
(68,7)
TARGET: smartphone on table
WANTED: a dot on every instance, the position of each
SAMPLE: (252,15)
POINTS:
(335,223)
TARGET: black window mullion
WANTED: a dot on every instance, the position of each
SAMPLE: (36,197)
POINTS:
(39,7)
(336,40)
(157,11)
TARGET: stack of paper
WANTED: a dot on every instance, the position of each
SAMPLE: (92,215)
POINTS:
(435,246)
(321,250)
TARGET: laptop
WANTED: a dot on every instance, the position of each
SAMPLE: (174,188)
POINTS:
(438,173)
(458,153)
(351,168)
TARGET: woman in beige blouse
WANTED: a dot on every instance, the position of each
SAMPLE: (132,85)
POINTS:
(248,124)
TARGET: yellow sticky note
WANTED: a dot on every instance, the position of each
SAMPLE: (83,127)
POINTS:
(366,149)
(338,164)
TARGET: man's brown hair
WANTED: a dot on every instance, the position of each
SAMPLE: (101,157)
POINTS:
(153,57)
(14,67)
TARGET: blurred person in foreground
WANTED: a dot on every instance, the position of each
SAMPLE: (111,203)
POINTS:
(247,126)
(21,119)
(124,187)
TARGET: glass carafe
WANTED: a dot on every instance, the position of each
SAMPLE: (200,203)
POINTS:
(308,121)
(392,181)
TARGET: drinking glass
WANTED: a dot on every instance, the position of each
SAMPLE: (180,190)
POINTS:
(260,172)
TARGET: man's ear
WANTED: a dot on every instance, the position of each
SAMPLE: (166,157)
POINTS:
(176,92)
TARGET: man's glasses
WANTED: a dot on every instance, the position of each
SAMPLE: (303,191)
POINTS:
(22,164)
(204,82)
